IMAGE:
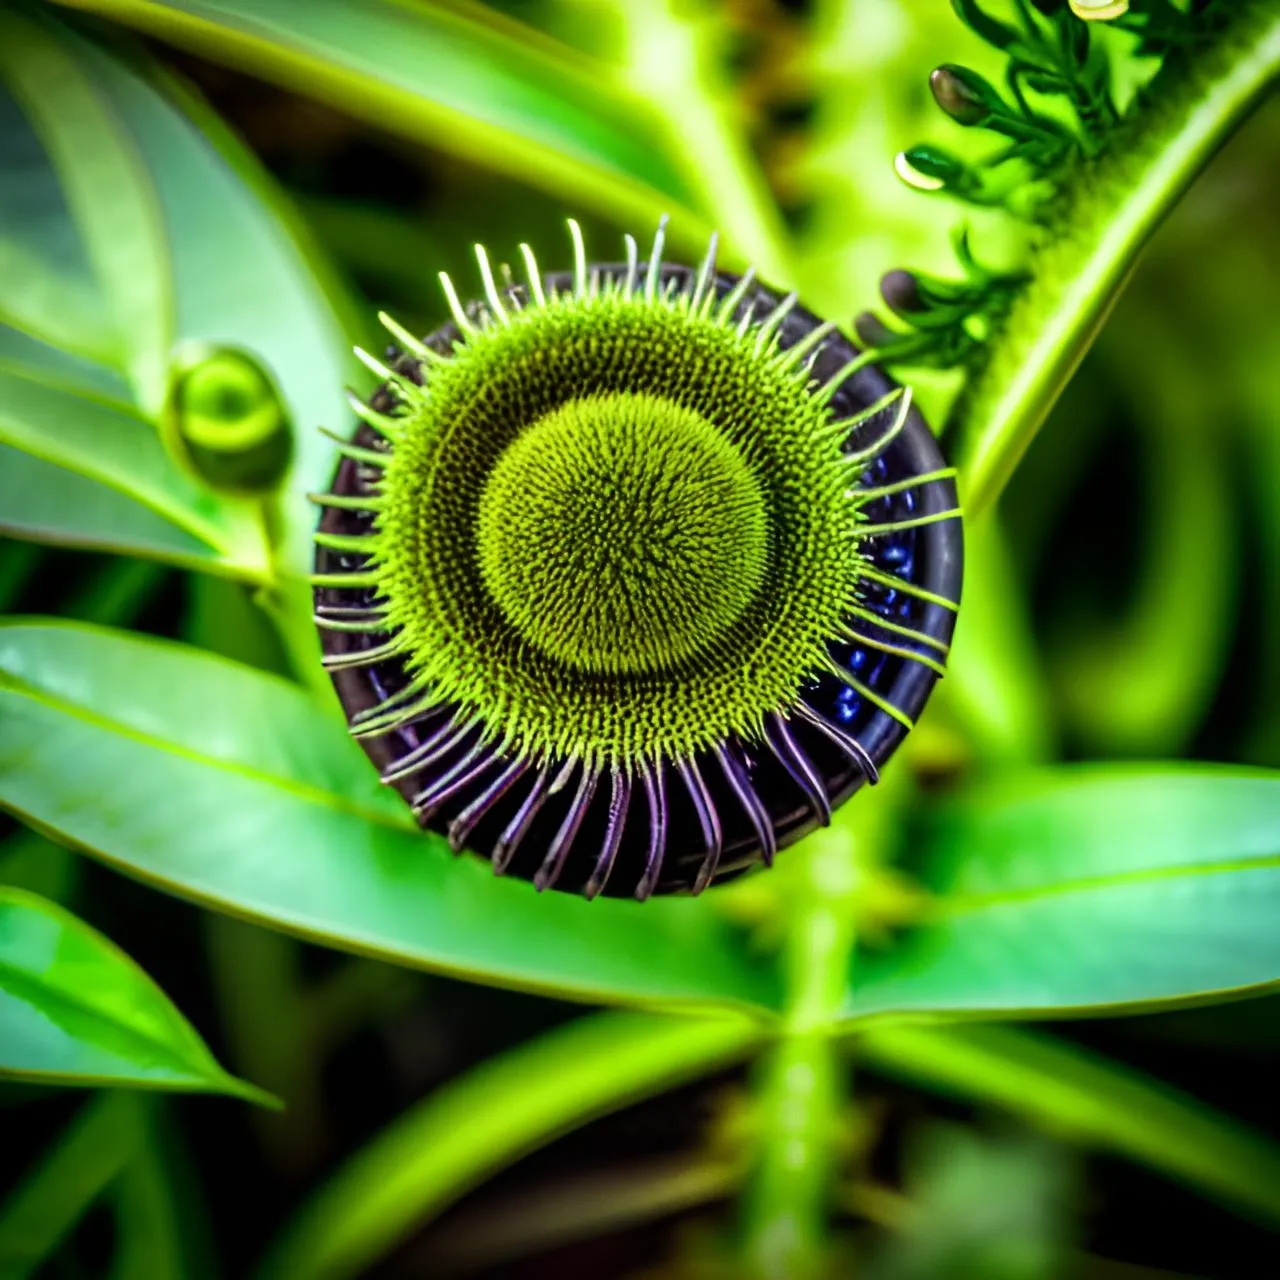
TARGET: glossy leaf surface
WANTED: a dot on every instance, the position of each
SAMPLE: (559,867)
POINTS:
(112,445)
(76,1010)
(233,269)
(108,193)
(456,78)
(1091,889)
(44,502)
(233,788)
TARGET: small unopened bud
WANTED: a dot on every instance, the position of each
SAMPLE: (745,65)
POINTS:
(225,420)
(1099,10)
(901,292)
(872,331)
(928,168)
(963,94)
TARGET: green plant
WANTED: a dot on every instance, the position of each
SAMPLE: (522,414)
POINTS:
(169,333)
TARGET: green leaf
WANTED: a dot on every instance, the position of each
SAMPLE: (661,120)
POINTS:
(1111,210)
(58,365)
(1088,1100)
(150,1236)
(231,787)
(47,503)
(1140,681)
(241,272)
(108,443)
(483,1121)
(50,291)
(458,78)
(1092,889)
(44,1207)
(107,191)
(76,1010)
(244,272)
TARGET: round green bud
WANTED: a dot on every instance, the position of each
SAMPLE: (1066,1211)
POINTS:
(225,419)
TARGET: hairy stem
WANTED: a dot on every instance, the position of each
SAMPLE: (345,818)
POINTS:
(1111,210)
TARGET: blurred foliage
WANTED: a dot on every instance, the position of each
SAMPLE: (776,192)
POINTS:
(232,189)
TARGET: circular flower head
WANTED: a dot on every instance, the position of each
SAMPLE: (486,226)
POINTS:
(630,574)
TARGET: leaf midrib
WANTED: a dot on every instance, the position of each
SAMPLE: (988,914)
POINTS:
(21,986)
(947,906)
(300,790)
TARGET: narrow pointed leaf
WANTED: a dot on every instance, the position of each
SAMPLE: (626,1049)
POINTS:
(460,77)
(485,1120)
(244,272)
(1090,889)
(50,290)
(233,788)
(111,445)
(1089,1100)
(111,199)
(47,503)
(74,1009)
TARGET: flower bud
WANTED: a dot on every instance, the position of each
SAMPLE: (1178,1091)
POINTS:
(1099,10)
(225,420)
(901,292)
(964,95)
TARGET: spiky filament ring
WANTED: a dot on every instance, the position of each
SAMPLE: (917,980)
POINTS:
(685,752)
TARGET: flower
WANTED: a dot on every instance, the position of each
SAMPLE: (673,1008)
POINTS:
(630,575)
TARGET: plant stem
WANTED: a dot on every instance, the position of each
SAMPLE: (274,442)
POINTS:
(802,1089)
(673,62)
(1114,206)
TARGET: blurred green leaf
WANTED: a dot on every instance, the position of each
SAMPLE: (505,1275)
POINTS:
(980,1207)
(1088,1100)
(458,78)
(111,201)
(109,444)
(1094,889)
(487,1119)
(149,1233)
(76,1010)
(50,290)
(59,365)
(1104,219)
(231,787)
(245,272)
(995,685)
(536,1218)
(1140,681)
(47,503)
(237,269)
(51,1199)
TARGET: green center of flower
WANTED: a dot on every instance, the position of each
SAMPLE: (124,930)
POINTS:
(622,534)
